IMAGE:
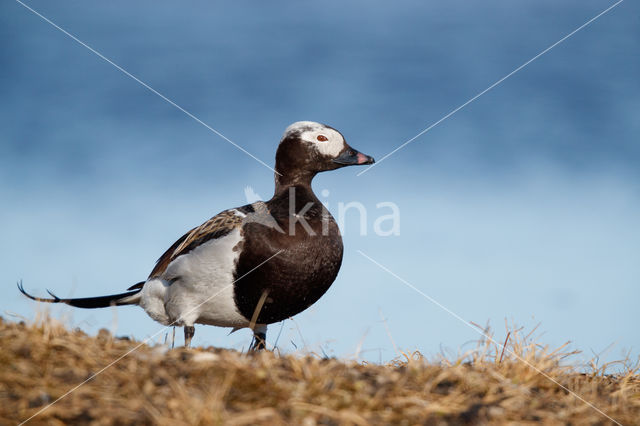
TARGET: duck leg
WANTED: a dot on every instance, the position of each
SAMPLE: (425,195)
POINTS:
(189,332)
(259,339)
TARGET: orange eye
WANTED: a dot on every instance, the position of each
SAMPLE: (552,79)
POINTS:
(322,138)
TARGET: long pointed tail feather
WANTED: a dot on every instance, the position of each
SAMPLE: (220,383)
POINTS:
(128,298)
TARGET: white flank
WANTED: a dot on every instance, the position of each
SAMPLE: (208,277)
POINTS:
(197,287)
(152,299)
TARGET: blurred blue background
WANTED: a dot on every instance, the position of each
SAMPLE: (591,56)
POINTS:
(523,206)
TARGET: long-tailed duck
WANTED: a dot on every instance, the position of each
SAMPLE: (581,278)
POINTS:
(256,264)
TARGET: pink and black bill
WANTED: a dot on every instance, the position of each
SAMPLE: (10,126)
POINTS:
(352,157)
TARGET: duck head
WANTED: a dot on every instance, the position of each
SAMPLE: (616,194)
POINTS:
(307,148)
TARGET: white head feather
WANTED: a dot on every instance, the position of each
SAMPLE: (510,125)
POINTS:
(311,132)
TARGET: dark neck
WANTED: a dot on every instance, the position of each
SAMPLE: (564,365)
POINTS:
(285,181)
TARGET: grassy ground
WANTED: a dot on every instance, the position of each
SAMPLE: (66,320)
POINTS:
(40,363)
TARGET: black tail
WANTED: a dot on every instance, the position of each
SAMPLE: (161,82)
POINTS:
(128,298)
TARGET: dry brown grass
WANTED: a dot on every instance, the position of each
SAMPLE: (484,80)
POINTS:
(41,362)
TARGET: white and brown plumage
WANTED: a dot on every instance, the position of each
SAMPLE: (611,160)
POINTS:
(252,265)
